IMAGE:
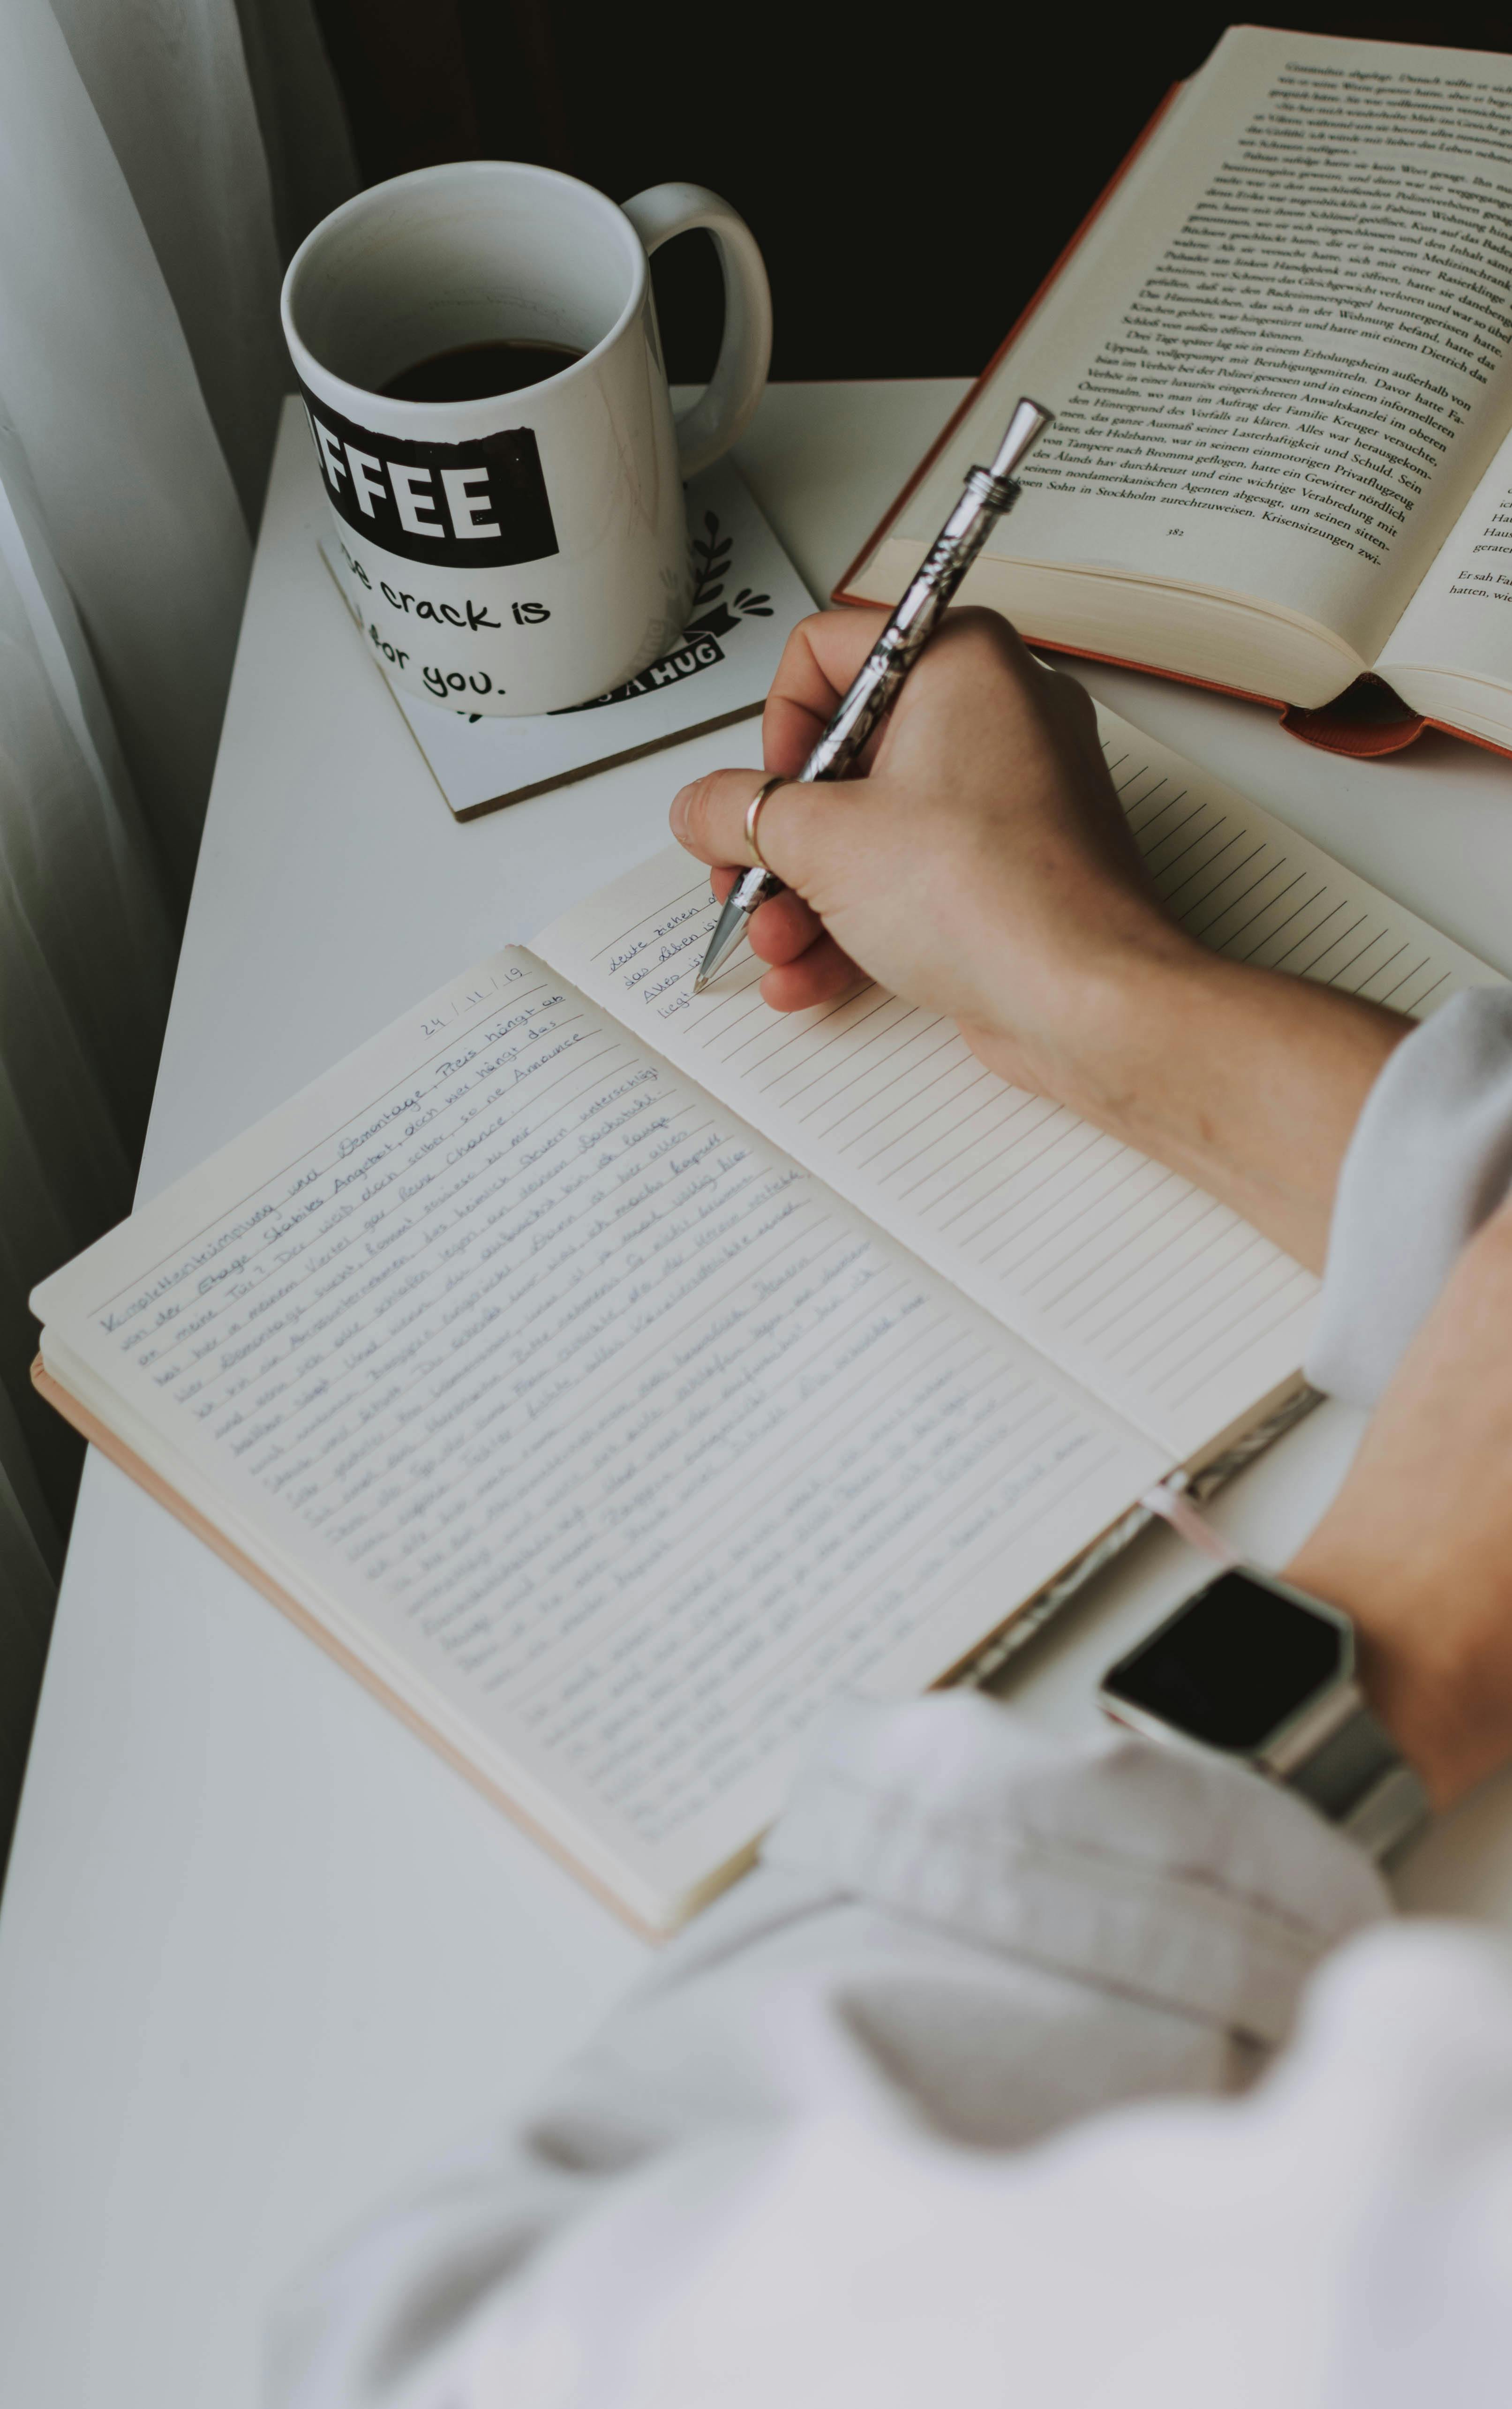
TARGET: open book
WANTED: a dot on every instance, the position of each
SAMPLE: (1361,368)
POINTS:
(1281,357)
(611,1376)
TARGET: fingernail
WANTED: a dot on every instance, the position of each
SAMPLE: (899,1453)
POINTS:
(679,813)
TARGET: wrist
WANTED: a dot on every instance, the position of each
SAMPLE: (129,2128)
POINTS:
(1129,1049)
(1093,1028)
(1417,1665)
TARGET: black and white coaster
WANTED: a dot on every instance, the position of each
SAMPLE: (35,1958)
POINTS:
(748,600)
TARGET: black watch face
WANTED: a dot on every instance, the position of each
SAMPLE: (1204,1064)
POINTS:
(1234,1663)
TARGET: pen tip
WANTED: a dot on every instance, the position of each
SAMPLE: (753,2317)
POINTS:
(699,983)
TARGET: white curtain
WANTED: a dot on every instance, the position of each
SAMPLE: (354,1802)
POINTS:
(156,158)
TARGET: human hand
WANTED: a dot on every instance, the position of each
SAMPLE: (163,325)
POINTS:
(1416,1546)
(982,867)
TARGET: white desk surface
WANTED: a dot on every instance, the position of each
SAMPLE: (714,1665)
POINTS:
(262,1955)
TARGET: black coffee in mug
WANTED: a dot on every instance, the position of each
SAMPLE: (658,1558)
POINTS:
(477,371)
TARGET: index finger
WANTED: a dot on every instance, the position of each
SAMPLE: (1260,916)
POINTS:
(818,664)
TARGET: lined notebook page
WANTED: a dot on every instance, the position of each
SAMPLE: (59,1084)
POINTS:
(1157,1298)
(592,1424)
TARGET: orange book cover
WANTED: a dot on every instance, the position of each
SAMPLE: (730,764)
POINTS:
(1367,720)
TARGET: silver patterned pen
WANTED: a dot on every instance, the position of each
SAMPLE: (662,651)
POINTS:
(988,493)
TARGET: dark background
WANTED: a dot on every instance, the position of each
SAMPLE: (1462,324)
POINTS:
(911,172)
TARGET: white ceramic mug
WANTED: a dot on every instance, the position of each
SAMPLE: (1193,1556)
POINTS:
(529,551)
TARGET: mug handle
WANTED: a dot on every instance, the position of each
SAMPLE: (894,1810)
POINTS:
(723,411)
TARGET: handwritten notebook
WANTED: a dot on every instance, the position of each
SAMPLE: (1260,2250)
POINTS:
(612,1377)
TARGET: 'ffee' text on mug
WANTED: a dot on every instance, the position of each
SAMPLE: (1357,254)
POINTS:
(479,504)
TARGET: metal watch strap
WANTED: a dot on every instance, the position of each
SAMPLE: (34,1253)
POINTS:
(1357,1778)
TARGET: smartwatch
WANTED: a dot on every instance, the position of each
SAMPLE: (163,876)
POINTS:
(1258,1670)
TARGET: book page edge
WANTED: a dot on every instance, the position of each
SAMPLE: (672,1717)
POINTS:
(1022,1622)
(99,1434)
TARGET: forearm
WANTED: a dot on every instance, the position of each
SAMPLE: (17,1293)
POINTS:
(1245,1081)
(1416,1546)
(1262,1089)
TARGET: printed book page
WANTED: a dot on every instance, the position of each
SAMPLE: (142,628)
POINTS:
(1459,623)
(1279,357)
(1150,1293)
(597,1429)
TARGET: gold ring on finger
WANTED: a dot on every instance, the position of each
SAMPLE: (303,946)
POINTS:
(753,812)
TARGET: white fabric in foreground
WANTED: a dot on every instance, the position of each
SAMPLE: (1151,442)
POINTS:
(809,2163)
(1431,1159)
(1338,2239)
